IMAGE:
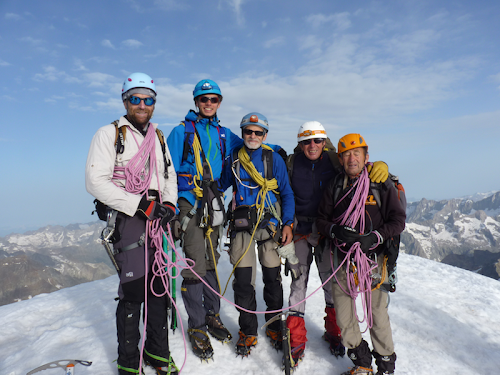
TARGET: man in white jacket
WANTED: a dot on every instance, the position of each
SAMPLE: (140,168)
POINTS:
(129,170)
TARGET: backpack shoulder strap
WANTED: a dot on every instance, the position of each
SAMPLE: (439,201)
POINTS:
(189,134)
(338,186)
(267,160)
(121,133)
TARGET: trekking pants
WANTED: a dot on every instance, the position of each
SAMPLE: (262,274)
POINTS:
(380,333)
(132,297)
(245,275)
(298,288)
(198,298)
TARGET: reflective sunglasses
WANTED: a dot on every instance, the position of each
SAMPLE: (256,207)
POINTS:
(213,99)
(258,133)
(316,140)
(135,100)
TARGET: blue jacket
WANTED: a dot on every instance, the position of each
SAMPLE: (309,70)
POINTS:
(211,135)
(247,196)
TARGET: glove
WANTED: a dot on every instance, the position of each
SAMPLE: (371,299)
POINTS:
(152,210)
(288,252)
(169,216)
(366,242)
(294,268)
(344,233)
(378,172)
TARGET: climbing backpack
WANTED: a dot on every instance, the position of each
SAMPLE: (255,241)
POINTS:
(103,210)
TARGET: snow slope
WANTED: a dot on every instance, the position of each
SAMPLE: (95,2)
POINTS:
(445,321)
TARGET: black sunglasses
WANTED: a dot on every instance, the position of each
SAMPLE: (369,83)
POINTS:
(213,99)
(316,140)
(258,133)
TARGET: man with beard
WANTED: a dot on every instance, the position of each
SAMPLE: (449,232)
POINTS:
(129,170)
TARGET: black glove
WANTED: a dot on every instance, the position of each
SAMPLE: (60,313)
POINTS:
(344,233)
(152,210)
(367,241)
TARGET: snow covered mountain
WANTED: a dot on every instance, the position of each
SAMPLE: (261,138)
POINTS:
(444,320)
(462,232)
(49,259)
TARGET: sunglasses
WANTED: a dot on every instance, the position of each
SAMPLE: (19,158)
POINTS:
(258,133)
(213,99)
(316,140)
(135,100)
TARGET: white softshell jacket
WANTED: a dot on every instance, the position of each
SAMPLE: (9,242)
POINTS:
(102,159)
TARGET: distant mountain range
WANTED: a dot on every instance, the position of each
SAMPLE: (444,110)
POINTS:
(464,232)
(461,232)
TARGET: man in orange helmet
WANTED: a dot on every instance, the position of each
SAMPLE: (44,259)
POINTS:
(359,225)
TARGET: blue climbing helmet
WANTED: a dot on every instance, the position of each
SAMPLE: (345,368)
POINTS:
(255,118)
(138,81)
(206,86)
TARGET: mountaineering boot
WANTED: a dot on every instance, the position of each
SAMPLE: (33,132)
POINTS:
(162,366)
(276,338)
(216,328)
(336,347)
(332,332)
(297,327)
(359,370)
(386,364)
(245,344)
(200,342)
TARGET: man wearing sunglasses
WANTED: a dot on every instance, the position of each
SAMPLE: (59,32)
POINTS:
(200,141)
(262,207)
(138,198)
(310,168)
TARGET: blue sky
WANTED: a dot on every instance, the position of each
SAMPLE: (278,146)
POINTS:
(419,79)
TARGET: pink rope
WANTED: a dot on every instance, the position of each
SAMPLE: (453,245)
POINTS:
(354,255)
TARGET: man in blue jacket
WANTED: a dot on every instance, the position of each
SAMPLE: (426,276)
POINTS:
(263,211)
(198,147)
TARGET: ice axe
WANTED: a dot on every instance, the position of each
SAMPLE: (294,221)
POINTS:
(67,364)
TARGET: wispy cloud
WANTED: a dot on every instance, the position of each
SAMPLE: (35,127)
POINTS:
(274,42)
(131,43)
(52,74)
(97,79)
(236,5)
(107,43)
(12,16)
(340,20)
(33,41)
(4,63)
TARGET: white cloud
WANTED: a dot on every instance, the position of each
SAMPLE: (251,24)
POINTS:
(33,41)
(311,43)
(131,43)
(4,63)
(107,43)
(52,74)
(97,79)
(236,5)
(12,16)
(340,20)
(171,4)
(274,42)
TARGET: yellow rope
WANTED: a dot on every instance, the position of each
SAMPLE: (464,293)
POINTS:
(199,194)
(260,201)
